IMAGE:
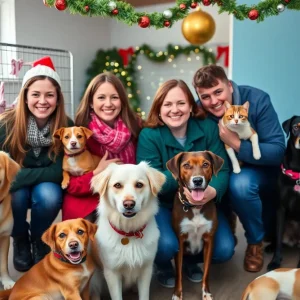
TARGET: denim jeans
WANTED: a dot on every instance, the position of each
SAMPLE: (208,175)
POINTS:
(253,197)
(45,201)
(168,243)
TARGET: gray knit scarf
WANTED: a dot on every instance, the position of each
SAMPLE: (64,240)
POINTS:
(37,138)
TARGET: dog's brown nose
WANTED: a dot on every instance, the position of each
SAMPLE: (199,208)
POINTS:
(73,143)
(73,245)
(129,204)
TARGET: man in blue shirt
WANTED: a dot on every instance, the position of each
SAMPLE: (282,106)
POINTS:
(252,191)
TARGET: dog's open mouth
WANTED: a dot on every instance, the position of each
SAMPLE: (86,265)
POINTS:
(129,214)
(197,194)
(74,257)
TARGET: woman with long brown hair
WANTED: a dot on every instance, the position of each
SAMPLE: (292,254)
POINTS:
(26,134)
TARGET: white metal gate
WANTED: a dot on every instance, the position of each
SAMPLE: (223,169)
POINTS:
(15,60)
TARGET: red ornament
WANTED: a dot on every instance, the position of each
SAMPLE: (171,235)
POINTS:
(144,22)
(206,2)
(194,5)
(45,3)
(253,14)
(167,23)
(182,6)
(115,12)
(86,8)
(287,1)
(60,4)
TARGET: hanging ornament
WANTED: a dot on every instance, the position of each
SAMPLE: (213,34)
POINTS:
(182,6)
(206,2)
(287,1)
(115,12)
(198,27)
(167,14)
(60,4)
(280,7)
(167,23)
(144,22)
(253,14)
(45,3)
(112,5)
(86,8)
(194,5)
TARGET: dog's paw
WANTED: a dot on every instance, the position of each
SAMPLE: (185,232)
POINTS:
(64,185)
(177,297)
(8,283)
(207,296)
(256,155)
(236,170)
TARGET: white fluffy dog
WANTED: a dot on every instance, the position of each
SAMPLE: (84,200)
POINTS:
(127,237)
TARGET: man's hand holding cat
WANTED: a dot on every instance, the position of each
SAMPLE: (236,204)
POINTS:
(229,137)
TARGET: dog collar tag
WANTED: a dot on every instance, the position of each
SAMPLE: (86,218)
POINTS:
(125,241)
(297,188)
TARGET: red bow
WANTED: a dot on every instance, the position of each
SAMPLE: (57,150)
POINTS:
(220,52)
(125,53)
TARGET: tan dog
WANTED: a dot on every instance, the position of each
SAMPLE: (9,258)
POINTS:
(194,224)
(77,160)
(283,282)
(65,271)
(8,170)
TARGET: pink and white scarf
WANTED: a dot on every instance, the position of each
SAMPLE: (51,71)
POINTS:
(117,141)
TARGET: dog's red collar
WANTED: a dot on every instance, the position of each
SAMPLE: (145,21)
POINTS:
(62,258)
(75,154)
(290,173)
(138,234)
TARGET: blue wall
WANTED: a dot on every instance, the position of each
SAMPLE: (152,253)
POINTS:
(267,55)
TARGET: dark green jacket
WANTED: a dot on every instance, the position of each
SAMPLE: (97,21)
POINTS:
(158,145)
(36,169)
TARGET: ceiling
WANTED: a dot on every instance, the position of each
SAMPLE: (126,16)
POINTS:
(137,3)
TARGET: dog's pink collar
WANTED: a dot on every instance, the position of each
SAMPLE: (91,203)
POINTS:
(138,234)
(75,154)
(290,173)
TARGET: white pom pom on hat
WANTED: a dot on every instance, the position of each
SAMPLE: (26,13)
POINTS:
(42,67)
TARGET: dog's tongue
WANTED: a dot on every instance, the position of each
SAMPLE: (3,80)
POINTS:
(197,195)
(75,255)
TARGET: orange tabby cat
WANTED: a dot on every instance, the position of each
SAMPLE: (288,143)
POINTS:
(236,119)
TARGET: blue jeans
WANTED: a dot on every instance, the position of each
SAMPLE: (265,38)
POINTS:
(253,197)
(168,244)
(45,201)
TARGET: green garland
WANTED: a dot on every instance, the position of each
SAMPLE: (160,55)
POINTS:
(126,13)
(111,61)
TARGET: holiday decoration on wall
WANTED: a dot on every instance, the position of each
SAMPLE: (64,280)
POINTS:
(198,27)
(127,13)
(123,63)
(16,66)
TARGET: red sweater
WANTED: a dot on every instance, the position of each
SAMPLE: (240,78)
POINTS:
(79,200)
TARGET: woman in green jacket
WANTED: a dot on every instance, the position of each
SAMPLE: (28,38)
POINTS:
(26,134)
(176,124)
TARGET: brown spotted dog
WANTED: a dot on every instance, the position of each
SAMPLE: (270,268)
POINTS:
(236,119)
(77,159)
(194,225)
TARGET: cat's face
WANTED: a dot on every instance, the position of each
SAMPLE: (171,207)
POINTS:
(235,115)
(212,99)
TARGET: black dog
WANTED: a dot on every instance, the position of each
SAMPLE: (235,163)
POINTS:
(288,187)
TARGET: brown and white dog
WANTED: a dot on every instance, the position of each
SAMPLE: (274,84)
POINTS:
(127,237)
(283,283)
(77,159)
(8,170)
(193,224)
(65,272)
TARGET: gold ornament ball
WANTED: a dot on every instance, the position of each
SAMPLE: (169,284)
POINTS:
(198,27)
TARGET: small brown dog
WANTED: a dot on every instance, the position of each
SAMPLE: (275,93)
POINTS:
(8,170)
(77,160)
(65,271)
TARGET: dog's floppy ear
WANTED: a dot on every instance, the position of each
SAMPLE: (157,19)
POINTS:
(48,236)
(286,125)
(87,132)
(59,133)
(173,165)
(11,168)
(156,178)
(216,160)
(100,181)
(91,228)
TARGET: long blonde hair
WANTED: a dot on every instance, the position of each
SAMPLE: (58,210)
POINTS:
(15,122)
(130,119)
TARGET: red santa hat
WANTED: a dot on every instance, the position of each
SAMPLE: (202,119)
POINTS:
(42,67)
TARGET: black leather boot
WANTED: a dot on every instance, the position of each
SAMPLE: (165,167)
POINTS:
(22,253)
(39,250)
